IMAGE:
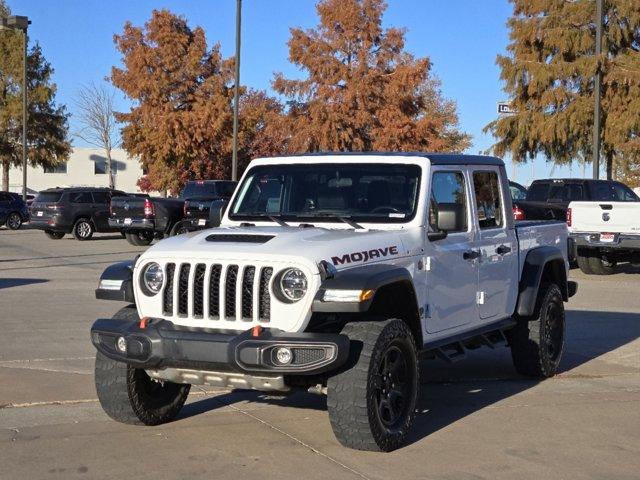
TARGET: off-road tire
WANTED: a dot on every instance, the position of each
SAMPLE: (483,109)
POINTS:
(354,396)
(598,266)
(129,395)
(138,239)
(14,221)
(583,263)
(83,229)
(178,229)
(53,235)
(537,343)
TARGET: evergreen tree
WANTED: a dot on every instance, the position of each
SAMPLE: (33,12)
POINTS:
(363,91)
(549,77)
(47,123)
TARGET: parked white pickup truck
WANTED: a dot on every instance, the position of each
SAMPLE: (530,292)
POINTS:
(605,233)
(333,273)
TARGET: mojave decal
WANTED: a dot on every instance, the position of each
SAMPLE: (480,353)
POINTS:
(365,255)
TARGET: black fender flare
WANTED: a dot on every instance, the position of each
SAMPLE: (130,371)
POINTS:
(116,282)
(366,277)
(535,264)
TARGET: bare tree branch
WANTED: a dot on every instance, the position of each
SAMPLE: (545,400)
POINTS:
(95,113)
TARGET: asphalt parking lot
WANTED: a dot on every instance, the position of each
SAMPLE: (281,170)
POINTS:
(477,419)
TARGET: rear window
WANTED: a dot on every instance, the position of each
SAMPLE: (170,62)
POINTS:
(198,189)
(226,189)
(49,197)
(557,191)
(538,192)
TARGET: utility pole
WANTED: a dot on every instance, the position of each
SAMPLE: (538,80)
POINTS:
(597,92)
(236,96)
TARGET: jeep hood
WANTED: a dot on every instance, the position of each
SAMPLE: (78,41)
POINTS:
(340,247)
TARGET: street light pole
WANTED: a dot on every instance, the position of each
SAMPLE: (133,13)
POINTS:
(236,96)
(16,22)
(597,92)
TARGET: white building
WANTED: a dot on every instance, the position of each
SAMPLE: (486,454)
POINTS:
(86,167)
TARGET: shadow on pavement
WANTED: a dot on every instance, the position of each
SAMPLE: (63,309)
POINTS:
(19,282)
(450,392)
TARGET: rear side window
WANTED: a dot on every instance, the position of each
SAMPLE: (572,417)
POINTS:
(49,197)
(101,197)
(448,192)
(81,197)
(488,202)
(624,193)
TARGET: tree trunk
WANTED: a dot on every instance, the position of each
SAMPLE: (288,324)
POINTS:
(5,175)
(111,186)
(609,166)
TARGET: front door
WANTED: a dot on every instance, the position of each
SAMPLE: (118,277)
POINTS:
(498,262)
(452,276)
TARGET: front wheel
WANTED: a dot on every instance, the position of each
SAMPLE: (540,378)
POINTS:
(14,221)
(83,229)
(372,402)
(537,343)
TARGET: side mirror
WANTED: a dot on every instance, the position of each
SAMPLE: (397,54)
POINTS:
(216,212)
(450,218)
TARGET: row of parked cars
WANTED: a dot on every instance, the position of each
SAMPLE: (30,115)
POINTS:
(83,211)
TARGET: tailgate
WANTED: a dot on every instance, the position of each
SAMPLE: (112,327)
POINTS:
(611,217)
(127,207)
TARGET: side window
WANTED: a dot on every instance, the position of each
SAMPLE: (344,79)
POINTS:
(623,193)
(101,197)
(80,197)
(488,202)
(448,193)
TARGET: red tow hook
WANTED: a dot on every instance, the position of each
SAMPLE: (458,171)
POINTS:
(144,321)
(256,331)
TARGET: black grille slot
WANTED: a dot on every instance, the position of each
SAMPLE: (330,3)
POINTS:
(198,290)
(230,294)
(238,238)
(214,291)
(264,295)
(167,300)
(183,290)
(247,293)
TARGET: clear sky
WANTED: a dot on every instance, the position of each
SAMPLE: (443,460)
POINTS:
(461,37)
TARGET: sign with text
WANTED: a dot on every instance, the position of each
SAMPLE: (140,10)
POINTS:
(505,108)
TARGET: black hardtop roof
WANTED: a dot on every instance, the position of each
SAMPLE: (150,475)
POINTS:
(435,158)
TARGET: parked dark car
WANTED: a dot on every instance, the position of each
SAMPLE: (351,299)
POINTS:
(143,219)
(549,199)
(80,211)
(201,198)
(13,211)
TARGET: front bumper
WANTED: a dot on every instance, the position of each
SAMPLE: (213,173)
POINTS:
(161,344)
(132,223)
(620,241)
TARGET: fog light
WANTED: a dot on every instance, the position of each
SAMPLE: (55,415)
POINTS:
(284,355)
(121,345)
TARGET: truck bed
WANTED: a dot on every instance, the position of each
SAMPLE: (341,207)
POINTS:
(538,233)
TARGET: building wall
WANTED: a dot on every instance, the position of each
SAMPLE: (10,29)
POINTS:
(81,171)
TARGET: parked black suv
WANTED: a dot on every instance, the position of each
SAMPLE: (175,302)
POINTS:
(13,210)
(81,211)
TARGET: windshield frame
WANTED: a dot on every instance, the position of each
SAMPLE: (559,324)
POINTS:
(324,216)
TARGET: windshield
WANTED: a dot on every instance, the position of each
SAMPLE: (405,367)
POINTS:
(369,192)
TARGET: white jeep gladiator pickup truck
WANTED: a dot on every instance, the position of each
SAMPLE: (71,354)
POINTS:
(334,273)
(605,233)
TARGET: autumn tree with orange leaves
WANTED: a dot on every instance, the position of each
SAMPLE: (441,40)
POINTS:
(180,124)
(363,91)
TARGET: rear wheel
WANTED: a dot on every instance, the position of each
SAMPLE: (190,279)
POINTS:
(83,229)
(601,265)
(139,239)
(371,404)
(53,235)
(537,343)
(14,221)
(583,263)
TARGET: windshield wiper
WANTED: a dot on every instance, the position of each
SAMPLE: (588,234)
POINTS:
(273,218)
(277,220)
(342,218)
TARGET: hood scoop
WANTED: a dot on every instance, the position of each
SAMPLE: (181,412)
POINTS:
(239,238)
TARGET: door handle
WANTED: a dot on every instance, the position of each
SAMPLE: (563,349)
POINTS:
(503,250)
(471,254)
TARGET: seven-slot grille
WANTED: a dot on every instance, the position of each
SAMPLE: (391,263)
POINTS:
(217,292)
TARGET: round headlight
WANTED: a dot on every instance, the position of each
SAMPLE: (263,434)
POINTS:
(152,278)
(293,284)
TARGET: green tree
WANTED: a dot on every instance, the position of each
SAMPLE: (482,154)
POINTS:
(549,76)
(47,124)
(363,91)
